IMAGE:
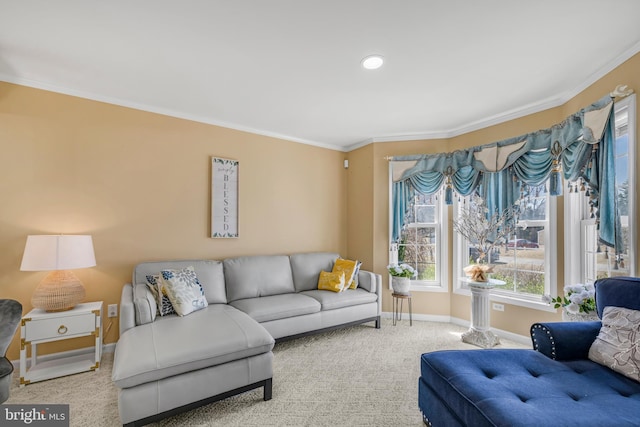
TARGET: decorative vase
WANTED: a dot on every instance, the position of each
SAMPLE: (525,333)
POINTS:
(579,317)
(400,285)
(478,272)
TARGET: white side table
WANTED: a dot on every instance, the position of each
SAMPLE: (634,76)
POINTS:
(480,331)
(39,326)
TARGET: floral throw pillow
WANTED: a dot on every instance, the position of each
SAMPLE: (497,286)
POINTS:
(354,281)
(184,290)
(164,304)
(616,346)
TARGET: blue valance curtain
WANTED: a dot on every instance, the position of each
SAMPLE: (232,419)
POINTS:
(581,148)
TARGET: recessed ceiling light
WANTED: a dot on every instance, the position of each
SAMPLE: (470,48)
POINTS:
(372,62)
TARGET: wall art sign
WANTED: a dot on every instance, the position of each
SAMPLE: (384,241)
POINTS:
(224,198)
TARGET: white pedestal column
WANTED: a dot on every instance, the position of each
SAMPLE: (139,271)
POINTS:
(480,331)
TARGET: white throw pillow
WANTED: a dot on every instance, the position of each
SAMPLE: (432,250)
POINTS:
(618,343)
(184,290)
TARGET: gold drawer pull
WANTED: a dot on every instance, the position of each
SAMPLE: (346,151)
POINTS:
(62,330)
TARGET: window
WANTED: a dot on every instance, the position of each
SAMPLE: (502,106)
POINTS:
(525,262)
(586,259)
(421,243)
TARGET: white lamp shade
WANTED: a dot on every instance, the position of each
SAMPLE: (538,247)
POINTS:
(58,252)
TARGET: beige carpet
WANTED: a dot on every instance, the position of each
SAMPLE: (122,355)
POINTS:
(349,377)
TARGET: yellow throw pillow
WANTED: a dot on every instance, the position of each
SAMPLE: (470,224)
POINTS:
(349,269)
(333,281)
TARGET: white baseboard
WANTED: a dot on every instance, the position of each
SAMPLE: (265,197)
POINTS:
(106,348)
(520,339)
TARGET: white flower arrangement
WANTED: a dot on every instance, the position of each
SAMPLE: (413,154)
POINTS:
(402,270)
(578,298)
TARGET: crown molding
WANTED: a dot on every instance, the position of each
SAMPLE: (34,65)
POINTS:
(442,134)
(162,111)
(479,124)
(516,113)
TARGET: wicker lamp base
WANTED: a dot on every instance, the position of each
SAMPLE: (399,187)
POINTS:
(60,290)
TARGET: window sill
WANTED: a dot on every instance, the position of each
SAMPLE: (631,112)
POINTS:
(427,288)
(417,287)
(513,300)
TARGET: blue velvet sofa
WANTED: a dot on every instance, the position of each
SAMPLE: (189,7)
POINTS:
(554,384)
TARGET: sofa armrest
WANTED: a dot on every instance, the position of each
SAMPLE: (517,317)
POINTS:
(372,282)
(564,340)
(127,309)
(144,304)
(368,281)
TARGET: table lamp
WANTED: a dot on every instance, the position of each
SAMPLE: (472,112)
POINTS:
(60,290)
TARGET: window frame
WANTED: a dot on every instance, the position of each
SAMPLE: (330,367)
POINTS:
(441,284)
(575,205)
(509,297)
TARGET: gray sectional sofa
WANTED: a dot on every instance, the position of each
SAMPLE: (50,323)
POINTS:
(168,364)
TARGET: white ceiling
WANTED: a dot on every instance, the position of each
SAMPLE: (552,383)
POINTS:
(291,68)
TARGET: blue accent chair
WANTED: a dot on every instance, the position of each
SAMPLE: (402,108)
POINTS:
(10,315)
(554,384)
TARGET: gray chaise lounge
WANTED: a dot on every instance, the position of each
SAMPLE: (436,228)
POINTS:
(169,364)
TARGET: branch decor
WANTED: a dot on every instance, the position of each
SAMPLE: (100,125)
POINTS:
(484,231)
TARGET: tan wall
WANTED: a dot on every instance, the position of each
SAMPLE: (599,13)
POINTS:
(360,200)
(423,302)
(140,184)
(514,319)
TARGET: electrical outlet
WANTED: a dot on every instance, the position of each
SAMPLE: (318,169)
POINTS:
(498,307)
(113,310)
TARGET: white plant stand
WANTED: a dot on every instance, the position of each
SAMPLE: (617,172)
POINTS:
(480,331)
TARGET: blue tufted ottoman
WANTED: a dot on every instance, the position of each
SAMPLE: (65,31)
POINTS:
(506,387)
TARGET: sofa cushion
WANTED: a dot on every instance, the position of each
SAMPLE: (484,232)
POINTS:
(173,345)
(276,307)
(526,388)
(210,275)
(257,276)
(617,344)
(307,267)
(349,297)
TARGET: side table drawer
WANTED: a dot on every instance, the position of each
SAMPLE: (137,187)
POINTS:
(52,328)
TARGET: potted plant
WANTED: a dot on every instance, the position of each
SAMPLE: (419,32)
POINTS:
(401,277)
(578,303)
